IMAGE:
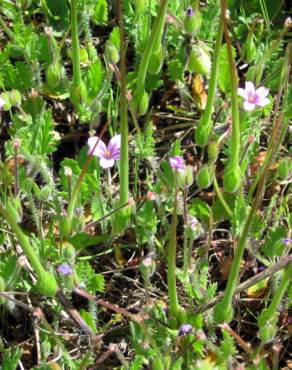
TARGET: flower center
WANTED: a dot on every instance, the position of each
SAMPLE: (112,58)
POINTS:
(252,99)
(108,154)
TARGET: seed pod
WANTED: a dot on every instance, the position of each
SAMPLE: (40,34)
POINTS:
(155,62)
(140,103)
(121,220)
(205,177)
(78,94)
(111,53)
(53,74)
(185,178)
(199,60)
(284,170)
(231,179)
(2,288)
(47,285)
(192,21)
(213,151)
(6,97)
(15,98)
(202,133)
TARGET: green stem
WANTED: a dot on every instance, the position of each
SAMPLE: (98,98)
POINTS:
(221,198)
(152,40)
(171,259)
(75,45)
(279,293)
(124,161)
(235,139)
(205,124)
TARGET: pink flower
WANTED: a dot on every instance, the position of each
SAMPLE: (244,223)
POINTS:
(177,163)
(253,97)
(107,154)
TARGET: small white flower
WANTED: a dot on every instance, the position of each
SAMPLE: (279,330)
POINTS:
(253,97)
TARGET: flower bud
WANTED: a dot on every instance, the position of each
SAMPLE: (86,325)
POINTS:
(205,177)
(192,21)
(47,285)
(141,102)
(193,229)
(213,151)
(15,98)
(68,253)
(203,132)
(78,94)
(231,179)
(111,53)
(53,74)
(155,62)
(284,170)
(44,194)
(199,60)
(147,266)
(185,178)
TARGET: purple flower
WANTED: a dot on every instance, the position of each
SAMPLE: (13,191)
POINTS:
(177,163)
(190,11)
(287,241)
(107,154)
(2,102)
(185,329)
(253,97)
(64,269)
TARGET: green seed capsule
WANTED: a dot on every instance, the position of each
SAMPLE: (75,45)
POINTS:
(25,4)
(285,168)
(268,332)
(2,288)
(155,62)
(223,313)
(205,177)
(202,133)
(121,220)
(78,94)
(15,98)
(213,151)
(185,178)
(199,60)
(141,102)
(111,53)
(231,179)
(53,74)
(47,285)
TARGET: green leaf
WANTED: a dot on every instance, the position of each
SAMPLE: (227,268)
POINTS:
(89,319)
(175,70)
(273,245)
(58,14)
(100,14)
(114,37)
(93,79)
(82,240)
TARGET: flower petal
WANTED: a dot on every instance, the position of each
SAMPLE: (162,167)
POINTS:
(262,92)
(106,163)
(115,141)
(249,88)
(262,102)
(100,149)
(241,92)
(248,106)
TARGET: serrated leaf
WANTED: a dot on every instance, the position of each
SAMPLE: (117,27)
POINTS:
(100,14)
(175,70)
(273,245)
(200,209)
(114,37)
(93,78)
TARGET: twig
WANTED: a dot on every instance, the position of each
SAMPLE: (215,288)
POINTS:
(109,306)
(244,345)
(285,261)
